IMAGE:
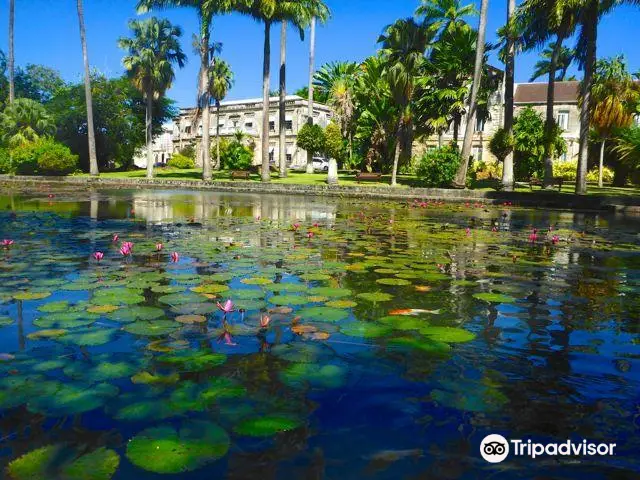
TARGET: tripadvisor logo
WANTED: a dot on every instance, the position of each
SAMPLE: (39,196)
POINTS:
(495,448)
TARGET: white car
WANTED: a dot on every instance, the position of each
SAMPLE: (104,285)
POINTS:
(320,164)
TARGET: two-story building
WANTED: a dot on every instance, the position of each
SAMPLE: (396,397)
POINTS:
(245,116)
(566,113)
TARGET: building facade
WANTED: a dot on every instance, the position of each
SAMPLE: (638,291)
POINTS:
(162,149)
(534,95)
(245,116)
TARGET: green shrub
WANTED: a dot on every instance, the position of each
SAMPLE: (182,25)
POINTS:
(55,159)
(189,151)
(236,156)
(566,170)
(5,161)
(180,161)
(488,170)
(501,144)
(607,175)
(311,138)
(438,167)
(25,159)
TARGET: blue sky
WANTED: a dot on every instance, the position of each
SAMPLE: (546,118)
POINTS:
(47,33)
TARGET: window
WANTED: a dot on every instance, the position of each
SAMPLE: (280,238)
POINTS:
(289,125)
(272,126)
(563,119)
(477,154)
(248,125)
(289,158)
(187,129)
(480,124)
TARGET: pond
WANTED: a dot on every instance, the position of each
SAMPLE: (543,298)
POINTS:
(156,334)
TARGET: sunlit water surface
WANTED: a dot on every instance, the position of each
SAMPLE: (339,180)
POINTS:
(396,338)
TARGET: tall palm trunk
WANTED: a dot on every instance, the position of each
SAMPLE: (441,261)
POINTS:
(12,21)
(396,154)
(590,31)
(550,121)
(205,100)
(266,80)
(507,165)
(461,176)
(312,61)
(93,159)
(149,131)
(601,163)
(456,128)
(283,98)
(218,161)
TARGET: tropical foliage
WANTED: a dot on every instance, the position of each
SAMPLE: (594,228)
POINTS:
(438,167)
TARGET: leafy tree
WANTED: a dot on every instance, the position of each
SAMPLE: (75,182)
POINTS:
(318,97)
(529,139)
(563,62)
(236,155)
(615,100)
(4,83)
(627,147)
(220,82)
(501,144)
(403,47)
(119,110)
(38,83)
(25,121)
(334,149)
(311,138)
(445,15)
(151,54)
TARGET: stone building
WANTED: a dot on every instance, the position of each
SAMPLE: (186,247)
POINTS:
(534,95)
(246,116)
(162,148)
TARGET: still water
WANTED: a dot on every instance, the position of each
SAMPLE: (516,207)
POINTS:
(362,340)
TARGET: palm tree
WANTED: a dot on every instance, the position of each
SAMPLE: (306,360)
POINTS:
(206,10)
(403,47)
(25,121)
(151,55)
(563,62)
(220,82)
(12,21)
(615,97)
(507,164)
(445,14)
(282,106)
(93,158)
(540,20)
(471,113)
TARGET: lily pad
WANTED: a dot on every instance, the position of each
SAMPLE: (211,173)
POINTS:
(256,281)
(153,328)
(136,312)
(191,319)
(287,287)
(164,450)
(31,295)
(365,330)
(52,307)
(210,288)
(327,314)
(448,334)
(494,297)
(393,281)
(90,337)
(288,300)
(147,378)
(341,304)
(330,292)
(375,297)
(267,426)
(425,345)
(47,333)
(71,398)
(5,321)
(194,361)
(101,309)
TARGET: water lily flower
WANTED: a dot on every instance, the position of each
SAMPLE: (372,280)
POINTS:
(316,225)
(265,320)
(128,245)
(175,256)
(125,251)
(115,237)
(533,237)
(51,195)
(310,235)
(494,229)
(295,227)
(555,239)
(227,307)
(7,243)
(159,247)
(98,256)
(468,231)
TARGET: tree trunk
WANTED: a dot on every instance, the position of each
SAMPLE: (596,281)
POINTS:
(332,173)
(396,155)
(218,161)
(440,139)
(283,100)
(507,164)
(550,121)
(93,159)
(456,128)
(312,60)
(11,66)
(205,100)
(461,176)
(266,80)
(149,133)
(590,31)
(601,164)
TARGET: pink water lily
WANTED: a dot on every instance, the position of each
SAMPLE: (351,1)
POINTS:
(115,238)
(555,239)
(175,256)
(98,256)
(7,242)
(468,231)
(159,247)
(265,320)
(295,227)
(227,307)
(316,225)
(128,245)
(310,235)
(125,251)
(533,237)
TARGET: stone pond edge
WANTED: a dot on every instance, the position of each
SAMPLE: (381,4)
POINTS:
(620,204)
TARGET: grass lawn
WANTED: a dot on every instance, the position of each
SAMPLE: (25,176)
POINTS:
(297,178)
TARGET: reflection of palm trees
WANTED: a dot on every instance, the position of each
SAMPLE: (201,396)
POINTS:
(21,340)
